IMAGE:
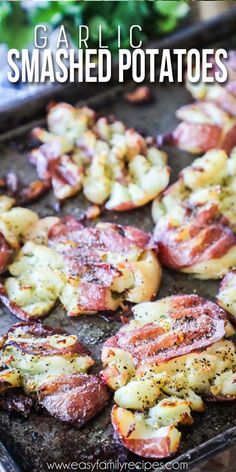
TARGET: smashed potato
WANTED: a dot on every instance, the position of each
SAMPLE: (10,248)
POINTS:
(196,218)
(52,366)
(213,130)
(222,95)
(161,330)
(141,438)
(204,126)
(114,166)
(36,282)
(87,269)
(105,265)
(157,388)
(209,122)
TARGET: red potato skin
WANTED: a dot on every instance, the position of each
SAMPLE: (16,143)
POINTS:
(92,298)
(34,191)
(156,448)
(224,282)
(61,175)
(82,249)
(124,206)
(113,237)
(227,278)
(227,100)
(64,227)
(229,139)
(209,237)
(197,323)
(44,348)
(52,169)
(197,138)
(25,194)
(5,254)
(74,399)
(42,157)
(87,243)
(231,87)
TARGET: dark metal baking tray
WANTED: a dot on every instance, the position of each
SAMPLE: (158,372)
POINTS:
(42,440)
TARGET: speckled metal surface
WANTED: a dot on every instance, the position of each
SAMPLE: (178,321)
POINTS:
(6,462)
(41,440)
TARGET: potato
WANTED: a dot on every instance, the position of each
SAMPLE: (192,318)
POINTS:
(51,367)
(225,385)
(188,371)
(119,197)
(38,233)
(35,292)
(119,367)
(195,372)
(96,182)
(74,399)
(147,182)
(213,268)
(169,204)
(154,395)
(6,203)
(157,157)
(36,370)
(147,278)
(118,167)
(227,293)
(38,280)
(35,255)
(200,369)
(203,113)
(170,411)
(205,126)
(140,438)
(39,353)
(60,144)
(138,394)
(211,178)
(65,120)
(67,179)
(226,200)
(156,311)
(15,224)
(122,268)
(195,401)
(72,298)
(208,170)
(9,378)
(187,212)
(184,377)
(223,95)
(125,281)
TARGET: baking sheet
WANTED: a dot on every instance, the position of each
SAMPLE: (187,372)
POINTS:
(41,440)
